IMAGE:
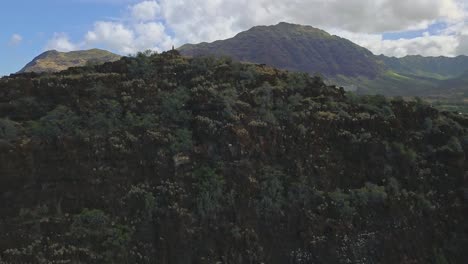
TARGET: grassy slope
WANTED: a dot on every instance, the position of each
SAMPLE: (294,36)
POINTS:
(54,61)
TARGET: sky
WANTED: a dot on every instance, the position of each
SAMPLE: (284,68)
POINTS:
(390,27)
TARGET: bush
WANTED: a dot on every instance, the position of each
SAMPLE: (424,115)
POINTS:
(405,152)
(92,223)
(341,203)
(453,146)
(271,197)
(58,122)
(370,194)
(209,187)
(94,230)
(181,141)
(140,65)
(8,129)
(173,105)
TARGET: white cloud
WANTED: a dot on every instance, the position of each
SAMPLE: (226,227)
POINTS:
(61,42)
(425,45)
(362,21)
(145,11)
(463,45)
(159,24)
(15,40)
(128,39)
(197,19)
(152,35)
(113,35)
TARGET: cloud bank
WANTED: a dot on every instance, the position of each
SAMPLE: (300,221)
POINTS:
(15,40)
(158,25)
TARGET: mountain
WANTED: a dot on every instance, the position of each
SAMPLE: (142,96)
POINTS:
(311,50)
(294,47)
(170,159)
(54,61)
(432,67)
(450,94)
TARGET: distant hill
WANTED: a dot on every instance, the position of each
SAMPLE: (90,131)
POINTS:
(54,61)
(294,47)
(433,67)
(311,50)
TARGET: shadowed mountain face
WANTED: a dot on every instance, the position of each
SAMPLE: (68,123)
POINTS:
(54,61)
(294,47)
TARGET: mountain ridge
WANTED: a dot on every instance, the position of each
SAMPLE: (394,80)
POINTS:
(339,60)
(293,47)
(53,60)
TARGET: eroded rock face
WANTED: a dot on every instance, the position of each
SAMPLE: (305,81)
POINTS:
(164,159)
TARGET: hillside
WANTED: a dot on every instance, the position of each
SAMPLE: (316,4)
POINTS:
(294,47)
(311,50)
(168,159)
(432,67)
(54,61)
(451,94)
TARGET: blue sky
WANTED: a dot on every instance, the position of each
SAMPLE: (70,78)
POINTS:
(37,21)
(390,27)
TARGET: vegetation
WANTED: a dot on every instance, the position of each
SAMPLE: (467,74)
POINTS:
(54,61)
(160,158)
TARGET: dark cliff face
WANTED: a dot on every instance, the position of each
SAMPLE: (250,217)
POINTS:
(294,47)
(164,159)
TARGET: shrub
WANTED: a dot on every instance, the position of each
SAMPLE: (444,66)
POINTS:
(8,129)
(92,223)
(94,230)
(370,194)
(181,141)
(209,187)
(341,202)
(271,194)
(453,146)
(140,65)
(173,105)
(58,122)
(405,152)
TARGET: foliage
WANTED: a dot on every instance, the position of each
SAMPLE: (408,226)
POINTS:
(60,121)
(209,187)
(8,129)
(206,160)
(271,195)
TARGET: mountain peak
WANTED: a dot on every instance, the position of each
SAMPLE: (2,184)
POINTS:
(291,29)
(294,47)
(54,61)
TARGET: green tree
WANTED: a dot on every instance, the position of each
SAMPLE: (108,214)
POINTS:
(209,188)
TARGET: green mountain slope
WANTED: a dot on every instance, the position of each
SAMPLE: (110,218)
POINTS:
(169,159)
(311,50)
(294,47)
(451,94)
(433,67)
(54,61)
